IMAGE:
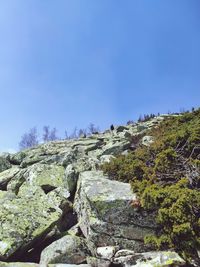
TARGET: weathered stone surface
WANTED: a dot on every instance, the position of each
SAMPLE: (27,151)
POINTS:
(46,176)
(106,252)
(4,195)
(70,178)
(6,176)
(35,206)
(4,164)
(25,264)
(86,163)
(25,218)
(66,265)
(142,127)
(106,158)
(88,144)
(115,148)
(105,214)
(17,264)
(68,249)
(18,157)
(15,183)
(147,140)
(121,128)
(98,262)
(148,259)
(75,230)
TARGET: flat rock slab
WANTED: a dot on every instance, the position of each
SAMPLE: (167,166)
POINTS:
(25,218)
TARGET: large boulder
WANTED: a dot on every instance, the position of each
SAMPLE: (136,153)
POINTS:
(4,164)
(68,249)
(18,264)
(26,218)
(46,176)
(148,259)
(108,256)
(71,177)
(27,264)
(115,147)
(106,216)
(6,176)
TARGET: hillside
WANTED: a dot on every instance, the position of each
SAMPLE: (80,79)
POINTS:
(165,174)
(125,197)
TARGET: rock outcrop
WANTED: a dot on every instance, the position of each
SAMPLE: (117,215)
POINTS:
(106,216)
(58,208)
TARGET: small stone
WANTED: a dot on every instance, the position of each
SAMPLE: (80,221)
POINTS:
(106,252)
(147,140)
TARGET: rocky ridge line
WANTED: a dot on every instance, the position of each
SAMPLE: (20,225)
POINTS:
(58,209)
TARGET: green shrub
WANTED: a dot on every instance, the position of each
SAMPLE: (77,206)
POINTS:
(165,160)
(156,174)
(178,216)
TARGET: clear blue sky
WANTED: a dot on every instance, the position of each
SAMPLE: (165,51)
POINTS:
(67,63)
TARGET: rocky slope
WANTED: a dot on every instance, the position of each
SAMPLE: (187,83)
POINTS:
(58,209)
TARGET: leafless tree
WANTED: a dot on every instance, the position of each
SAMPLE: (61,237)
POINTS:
(66,135)
(49,135)
(74,134)
(93,129)
(29,139)
(82,132)
(53,135)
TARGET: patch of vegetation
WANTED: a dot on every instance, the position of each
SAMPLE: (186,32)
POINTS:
(166,177)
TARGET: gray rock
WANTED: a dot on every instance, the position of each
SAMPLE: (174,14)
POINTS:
(105,214)
(18,264)
(46,176)
(26,218)
(66,265)
(17,158)
(88,144)
(4,164)
(115,148)
(106,158)
(6,176)
(97,262)
(120,129)
(70,178)
(15,183)
(75,230)
(142,127)
(149,259)
(27,264)
(147,140)
(68,249)
(69,157)
(106,252)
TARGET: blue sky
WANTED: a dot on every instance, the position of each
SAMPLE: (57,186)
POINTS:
(67,63)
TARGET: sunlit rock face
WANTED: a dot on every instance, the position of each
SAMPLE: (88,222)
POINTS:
(57,207)
(105,213)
